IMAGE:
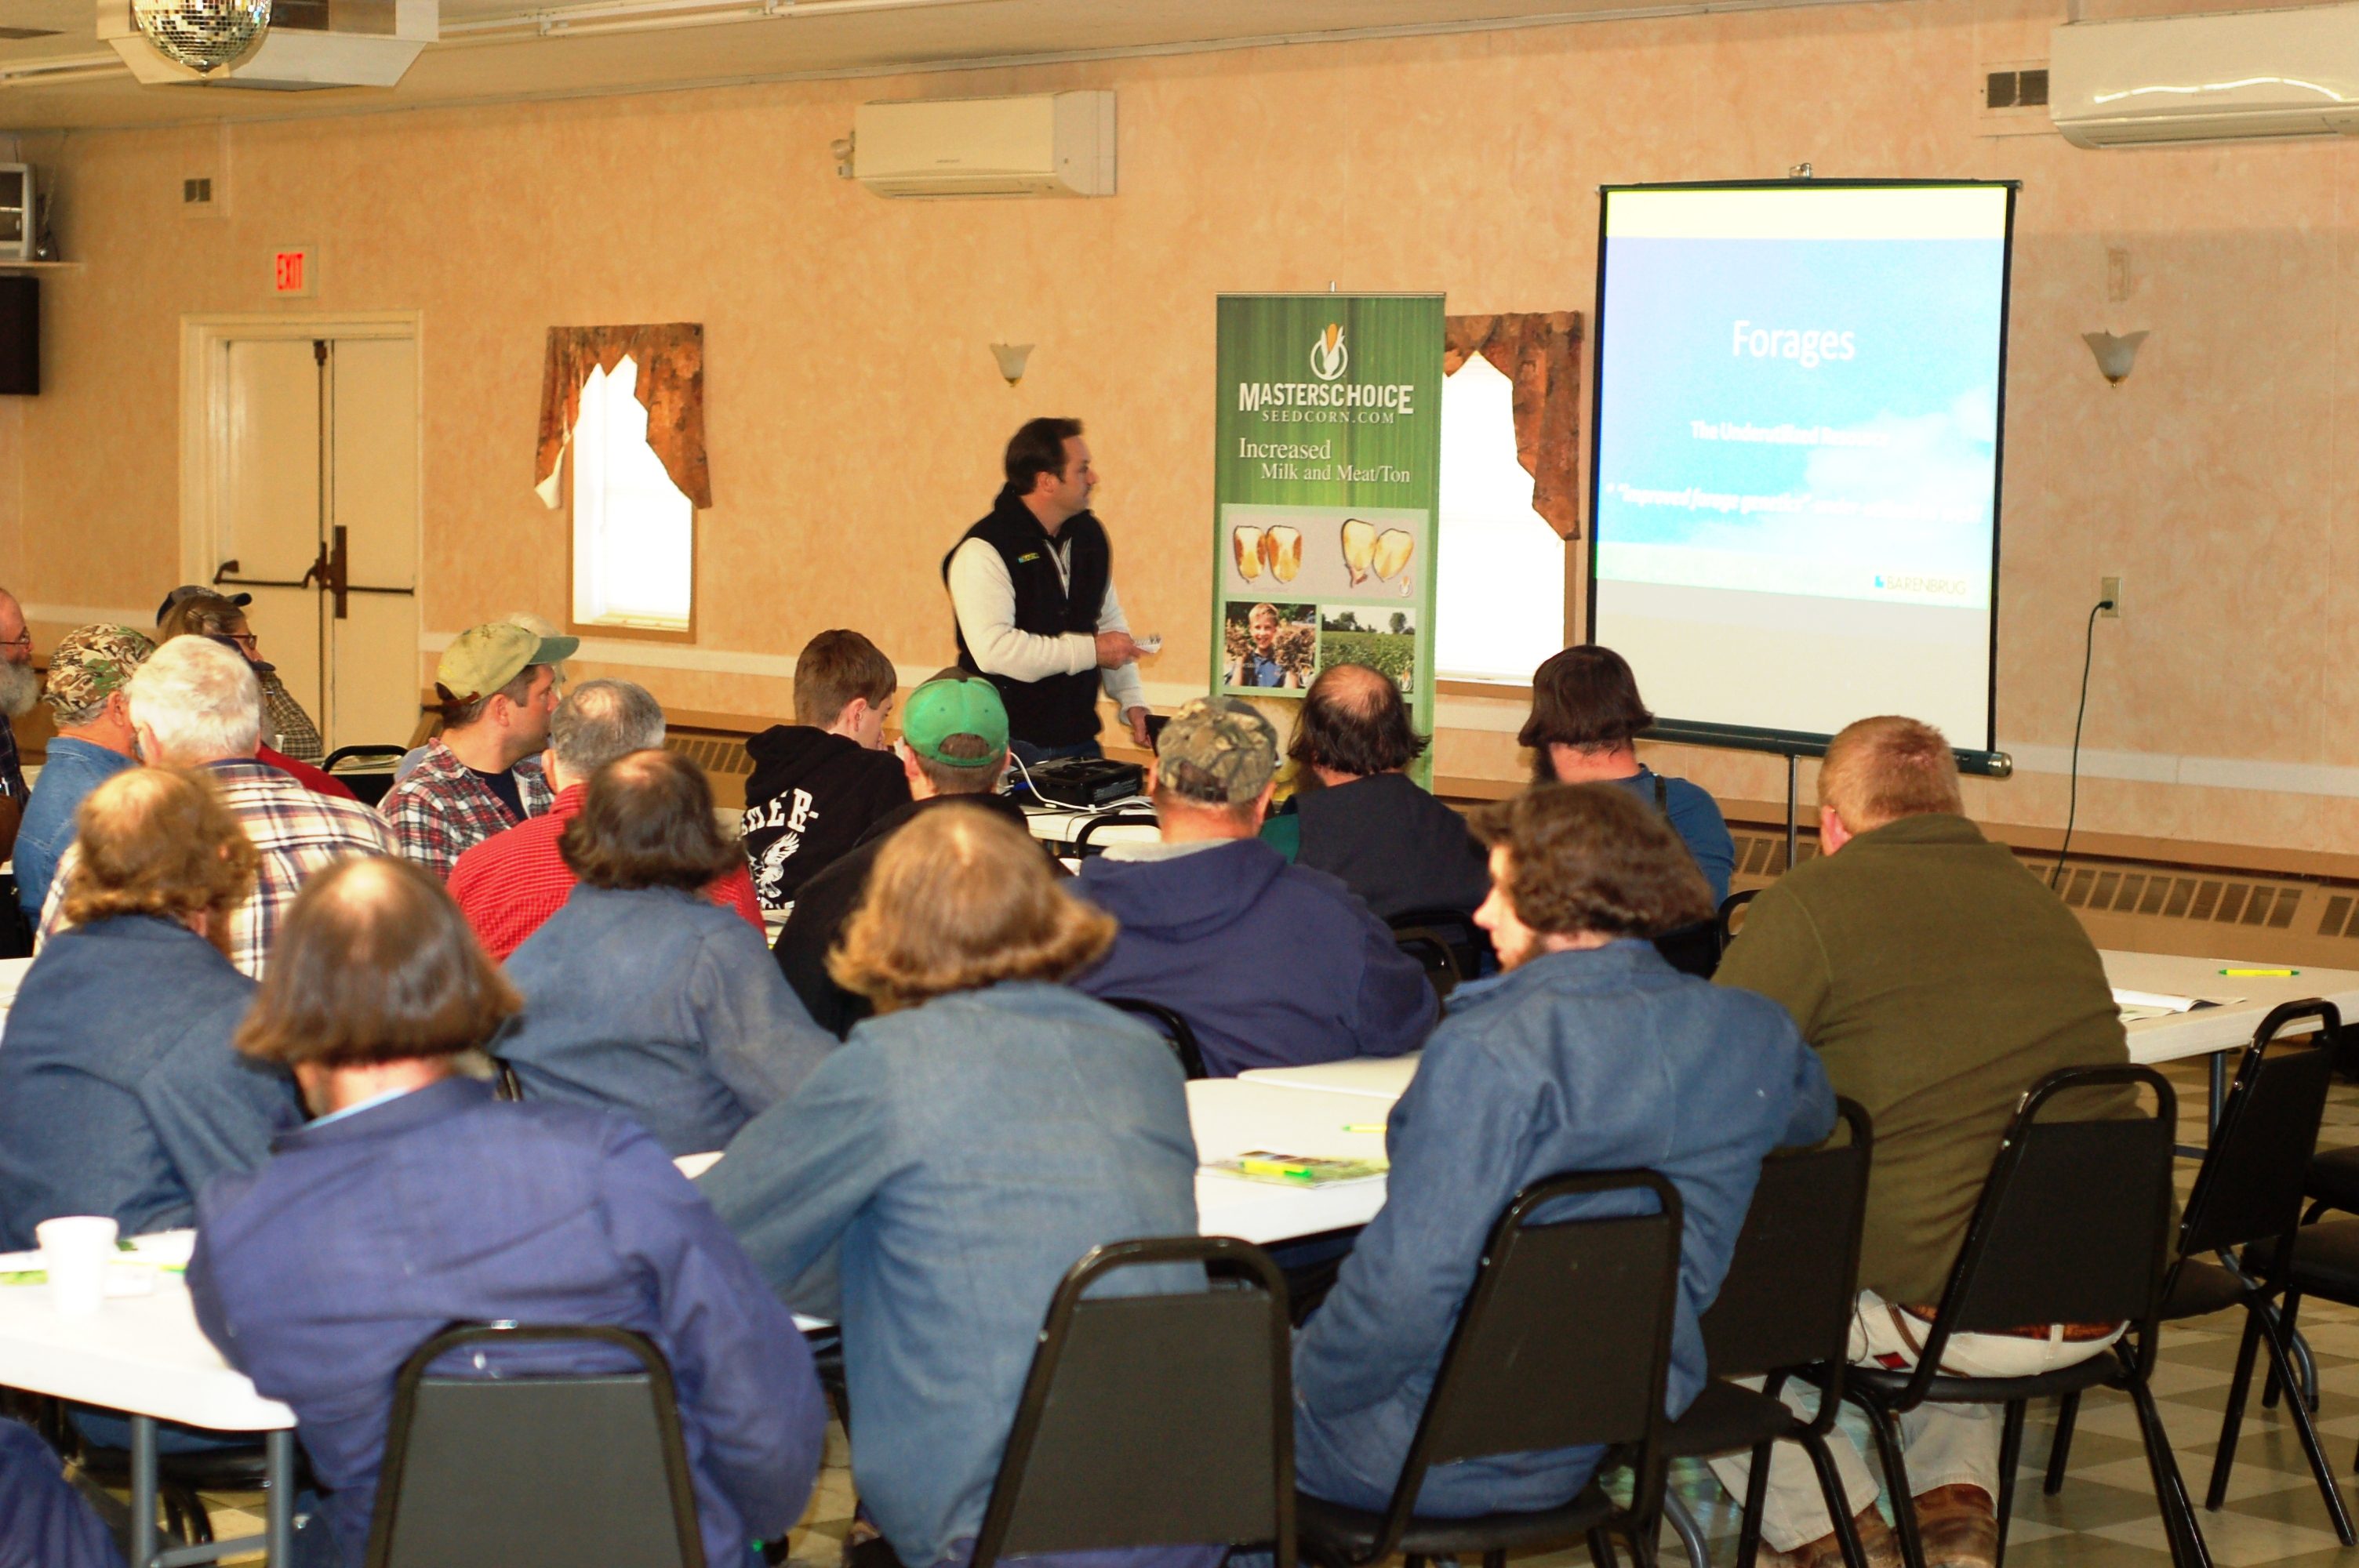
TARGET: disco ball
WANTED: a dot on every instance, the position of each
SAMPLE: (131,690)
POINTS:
(203,34)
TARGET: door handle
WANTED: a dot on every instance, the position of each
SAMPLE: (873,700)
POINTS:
(335,567)
(223,576)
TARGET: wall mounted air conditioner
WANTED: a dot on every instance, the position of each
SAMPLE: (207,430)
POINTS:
(2206,77)
(311,44)
(1049,143)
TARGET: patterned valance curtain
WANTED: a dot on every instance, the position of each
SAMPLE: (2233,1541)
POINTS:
(670,360)
(1539,351)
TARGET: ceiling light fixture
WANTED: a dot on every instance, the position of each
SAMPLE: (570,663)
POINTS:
(205,35)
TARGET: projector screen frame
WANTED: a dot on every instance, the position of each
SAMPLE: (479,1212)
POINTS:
(1986,760)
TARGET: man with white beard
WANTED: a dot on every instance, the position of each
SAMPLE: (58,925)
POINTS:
(20,688)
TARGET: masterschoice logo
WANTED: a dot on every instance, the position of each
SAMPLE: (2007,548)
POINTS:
(1328,356)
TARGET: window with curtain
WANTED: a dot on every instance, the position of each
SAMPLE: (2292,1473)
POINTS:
(634,529)
(1499,607)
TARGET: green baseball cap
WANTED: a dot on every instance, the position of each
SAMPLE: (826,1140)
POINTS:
(91,662)
(1217,748)
(482,659)
(941,708)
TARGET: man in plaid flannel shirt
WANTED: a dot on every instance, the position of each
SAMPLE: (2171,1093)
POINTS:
(196,705)
(482,774)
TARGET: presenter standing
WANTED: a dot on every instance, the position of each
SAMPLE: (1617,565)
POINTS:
(1032,587)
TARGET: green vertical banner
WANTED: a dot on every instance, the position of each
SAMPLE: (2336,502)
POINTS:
(1326,482)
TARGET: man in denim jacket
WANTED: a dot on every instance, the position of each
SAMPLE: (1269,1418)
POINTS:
(1590,1053)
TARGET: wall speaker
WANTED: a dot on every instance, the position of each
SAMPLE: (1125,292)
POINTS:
(20,337)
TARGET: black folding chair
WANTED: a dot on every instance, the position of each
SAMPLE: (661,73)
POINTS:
(1446,941)
(2249,1195)
(523,1471)
(505,1085)
(1785,1311)
(1153,1420)
(2324,1262)
(370,783)
(1564,1340)
(2074,1226)
(1175,1029)
(1732,915)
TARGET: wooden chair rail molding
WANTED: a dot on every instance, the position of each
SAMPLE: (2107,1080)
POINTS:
(2144,895)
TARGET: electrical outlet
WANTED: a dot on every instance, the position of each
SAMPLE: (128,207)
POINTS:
(2109,589)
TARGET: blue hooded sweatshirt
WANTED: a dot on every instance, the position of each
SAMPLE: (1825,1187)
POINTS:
(1272,965)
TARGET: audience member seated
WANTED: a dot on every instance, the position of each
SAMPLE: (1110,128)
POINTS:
(291,741)
(416,1201)
(512,882)
(954,749)
(1586,715)
(820,783)
(120,1091)
(1358,815)
(640,996)
(88,674)
(1939,980)
(1274,965)
(43,1523)
(20,691)
(958,1155)
(1590,1053)
(481,774)
(195,705)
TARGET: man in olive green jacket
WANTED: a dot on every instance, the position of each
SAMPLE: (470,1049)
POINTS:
(1939,980)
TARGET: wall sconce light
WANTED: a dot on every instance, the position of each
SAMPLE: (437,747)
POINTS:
(2114,355)
(1011,358)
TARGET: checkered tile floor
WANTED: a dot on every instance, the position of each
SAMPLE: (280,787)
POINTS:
(2105,1515)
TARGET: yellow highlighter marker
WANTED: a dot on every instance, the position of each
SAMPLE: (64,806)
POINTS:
(2260,974)
(1364,1127)
(1272,1168)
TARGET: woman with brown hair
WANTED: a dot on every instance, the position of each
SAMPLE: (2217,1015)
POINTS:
(958,1154)
(416,1200)
(120,1092)
(641,996)
(1586,717)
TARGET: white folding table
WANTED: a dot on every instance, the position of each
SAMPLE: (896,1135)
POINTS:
(1231,1117)
(145,1355)
(1074,831)
(2244,1001)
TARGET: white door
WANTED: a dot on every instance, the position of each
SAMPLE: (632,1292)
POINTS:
(315,515)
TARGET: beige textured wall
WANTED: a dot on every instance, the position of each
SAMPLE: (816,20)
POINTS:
(855,415)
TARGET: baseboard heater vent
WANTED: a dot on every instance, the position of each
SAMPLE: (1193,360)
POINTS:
(2161,909)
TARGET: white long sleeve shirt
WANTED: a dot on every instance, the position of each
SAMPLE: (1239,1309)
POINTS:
(984,599)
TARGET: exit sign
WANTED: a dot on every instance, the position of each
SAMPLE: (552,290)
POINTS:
(294,272)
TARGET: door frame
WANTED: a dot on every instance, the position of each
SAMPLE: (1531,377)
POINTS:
(204,426)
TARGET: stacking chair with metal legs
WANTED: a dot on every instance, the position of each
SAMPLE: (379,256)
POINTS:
(1154,1419)
(1175,1029)
(2074,1226)
(575,1470)
(1446,941)
(1785,1310)
(2249,1195)
(1564,1340)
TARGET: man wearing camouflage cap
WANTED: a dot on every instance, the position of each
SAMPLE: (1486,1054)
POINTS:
(1272,965)
(89,674)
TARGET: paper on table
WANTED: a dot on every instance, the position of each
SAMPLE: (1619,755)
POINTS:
(2136,1006)
(694,1165)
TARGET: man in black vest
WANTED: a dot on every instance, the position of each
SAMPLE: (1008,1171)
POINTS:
(1032,588)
